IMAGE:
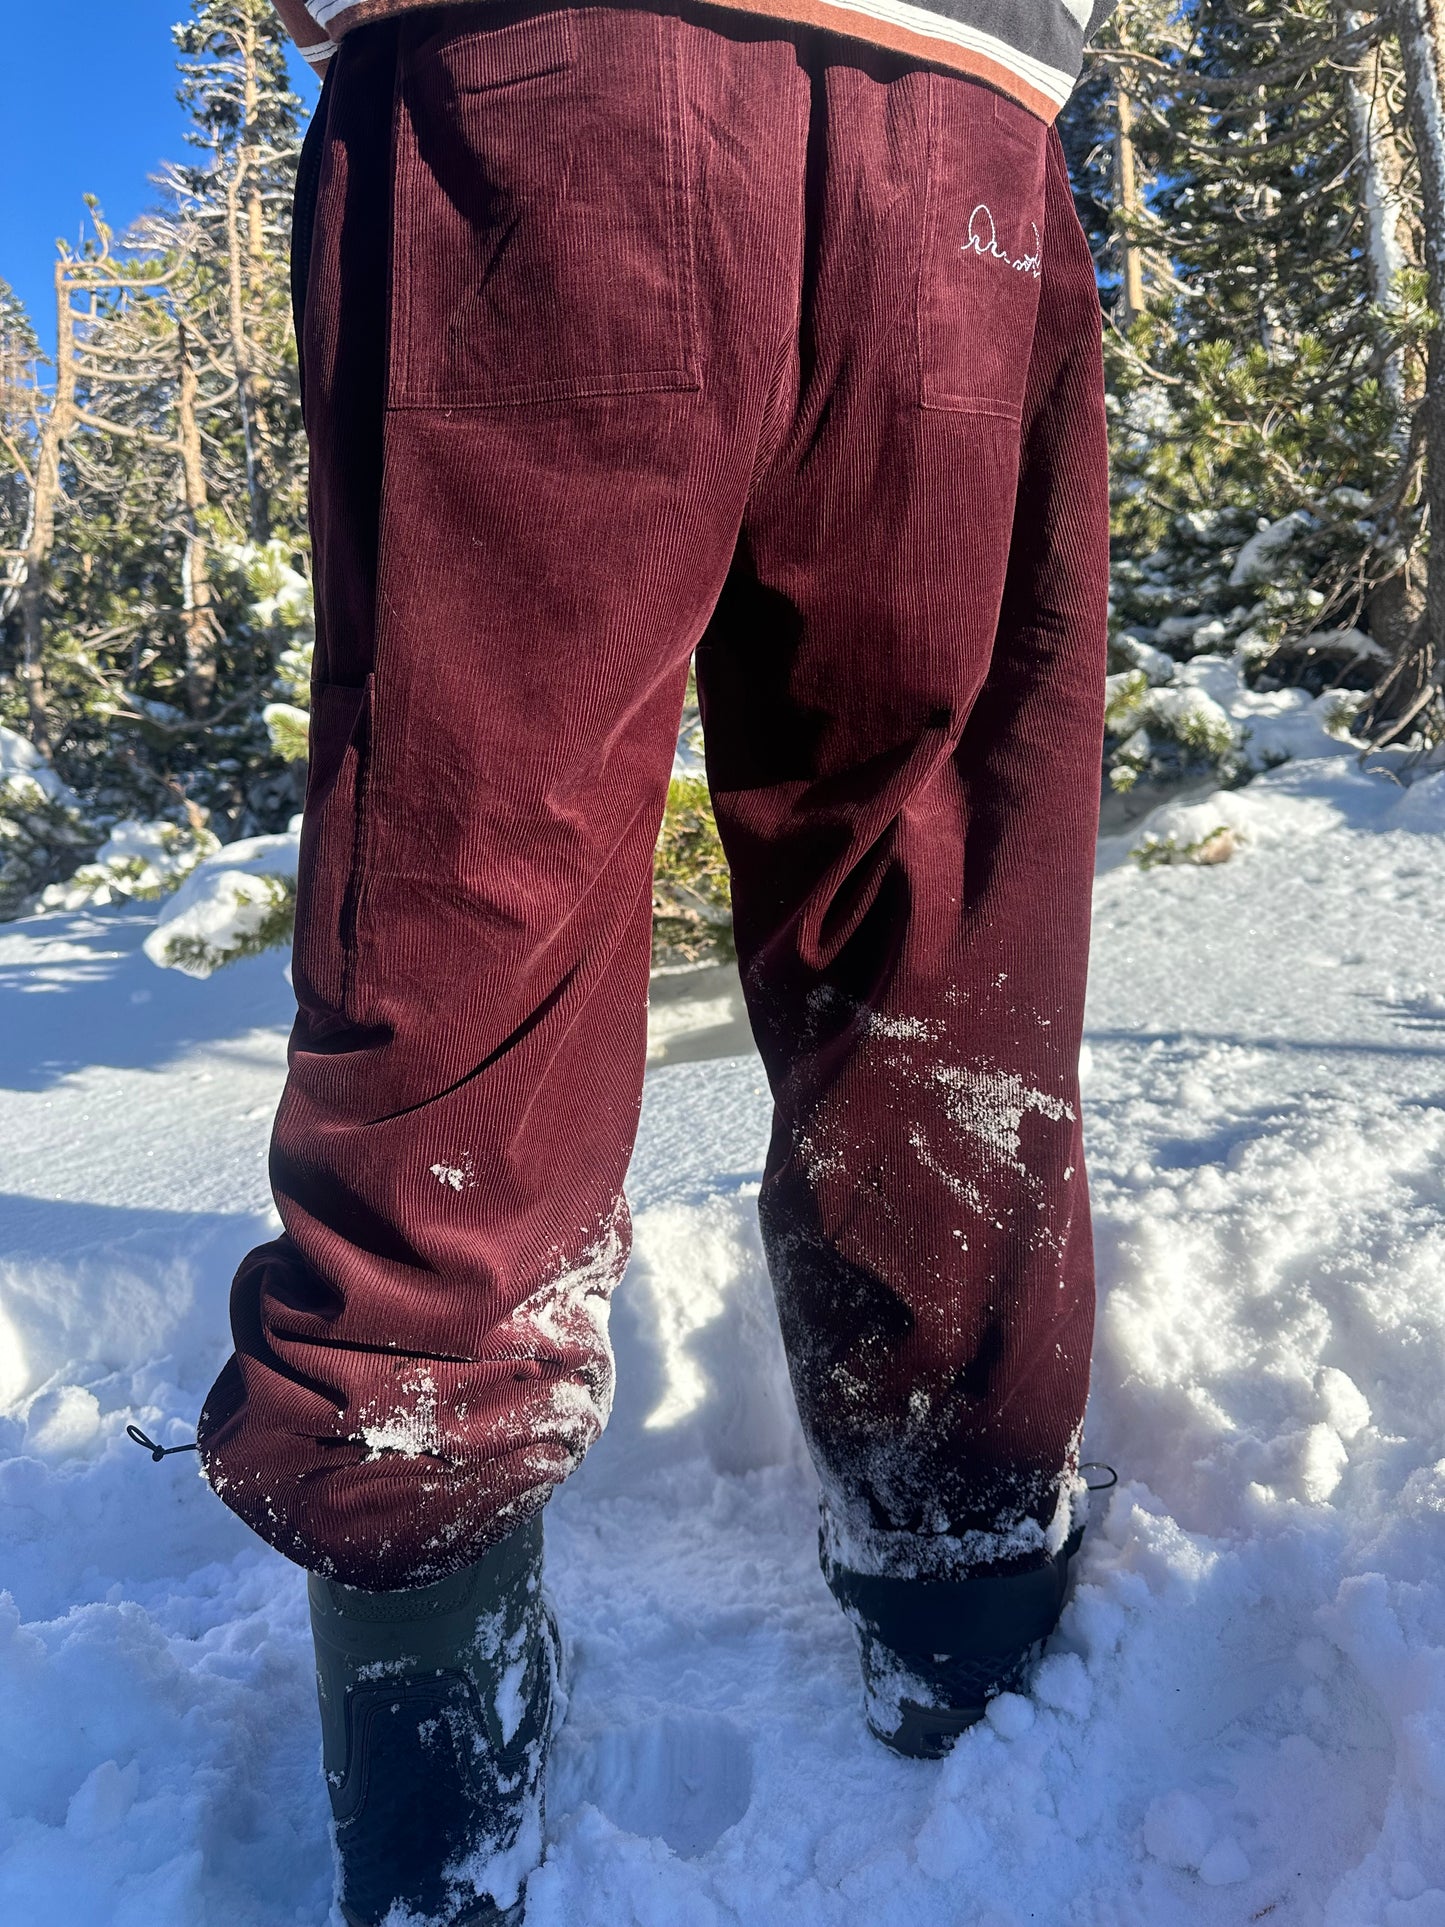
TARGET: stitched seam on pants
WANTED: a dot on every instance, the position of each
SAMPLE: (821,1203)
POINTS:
(396,300)
(776,416)
(684,224)
(925,228)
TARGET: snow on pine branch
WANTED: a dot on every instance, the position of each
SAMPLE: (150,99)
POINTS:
(236,903)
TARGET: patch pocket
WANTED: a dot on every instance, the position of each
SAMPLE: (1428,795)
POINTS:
(330,861)
(983,249)
(542,221)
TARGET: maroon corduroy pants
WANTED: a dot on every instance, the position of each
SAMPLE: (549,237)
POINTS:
(631,333)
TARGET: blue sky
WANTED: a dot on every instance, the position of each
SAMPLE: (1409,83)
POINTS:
(87,104)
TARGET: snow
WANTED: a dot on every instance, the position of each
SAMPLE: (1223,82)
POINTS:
(21,763)
(408,1427)
(1243,1716)
(1256,559)
(226,903)
(1276,725)
(137,859)
(144,844)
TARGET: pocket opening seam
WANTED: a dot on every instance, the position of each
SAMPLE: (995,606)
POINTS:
(557,53)
(357,876)
(321,834)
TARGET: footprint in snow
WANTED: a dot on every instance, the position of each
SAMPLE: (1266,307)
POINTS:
(681,1777)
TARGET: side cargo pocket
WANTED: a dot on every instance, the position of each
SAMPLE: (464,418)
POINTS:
(330,870)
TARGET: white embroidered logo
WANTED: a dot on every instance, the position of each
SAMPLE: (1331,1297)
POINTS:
(983,240)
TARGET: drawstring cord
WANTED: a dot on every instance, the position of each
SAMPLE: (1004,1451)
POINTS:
(159,1452)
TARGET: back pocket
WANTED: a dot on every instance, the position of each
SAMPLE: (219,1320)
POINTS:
(542,232)
(983,249)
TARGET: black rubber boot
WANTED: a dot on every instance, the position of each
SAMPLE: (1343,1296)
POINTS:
(936,1651)
(437,1709)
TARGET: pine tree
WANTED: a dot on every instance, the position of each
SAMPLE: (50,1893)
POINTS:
(1267,498)
(162,584)
(21,412)
(235,202)
(1409,693)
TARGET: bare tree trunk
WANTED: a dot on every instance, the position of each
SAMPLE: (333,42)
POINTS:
(1394,608)
(1393,605)
(198,616)
(1412,682)
(1381,167)
(54,432)
(1126,187)
(1271,335)
(248,386)
(250,104)
(22,411)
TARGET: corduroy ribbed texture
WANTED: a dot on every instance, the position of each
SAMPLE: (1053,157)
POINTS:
(788,352)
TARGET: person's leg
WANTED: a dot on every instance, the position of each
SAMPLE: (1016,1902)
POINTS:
(541,329)
(903,691)
(544,309)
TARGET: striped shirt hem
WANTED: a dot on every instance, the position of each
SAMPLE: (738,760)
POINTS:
(922,32)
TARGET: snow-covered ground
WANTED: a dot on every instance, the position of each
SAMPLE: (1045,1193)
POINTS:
(1243,1718)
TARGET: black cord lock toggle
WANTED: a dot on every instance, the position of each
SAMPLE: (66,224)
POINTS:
(159,1452)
